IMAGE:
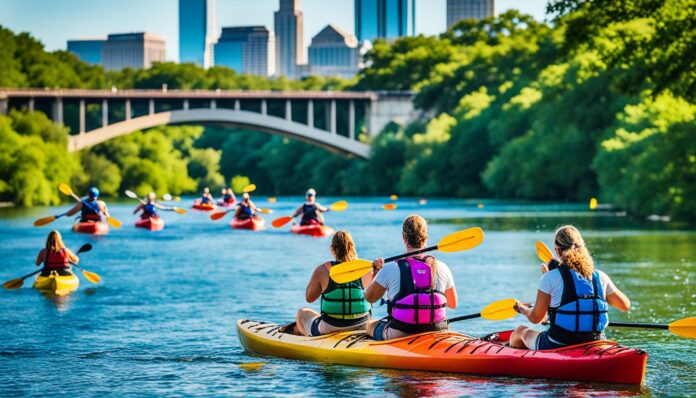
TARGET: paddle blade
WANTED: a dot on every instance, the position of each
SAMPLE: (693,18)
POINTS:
(684,327)
(43,221)
(65,188)
(272,199)
(339,206)
(593,203)
(500,310)
(84,248)
(279,222)
(389,206)
(177,198)
(266,211)
(179,210)
(249,188)
(461,240)
(91,276)
(218,215)
(393,197)
(543,252)
(113,222)
(13,284)
(350,271)
(131,194)
(167,196)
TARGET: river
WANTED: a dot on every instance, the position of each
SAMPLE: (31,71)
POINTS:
(162,320)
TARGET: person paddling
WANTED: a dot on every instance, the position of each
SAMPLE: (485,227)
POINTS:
(343,306)
(55,257)
(575,296)
(418,289)
(311,210)
(149,208)
(206,198)
(228,197)
(90,208)
(246,208)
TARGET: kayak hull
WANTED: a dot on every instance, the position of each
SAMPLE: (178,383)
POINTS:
(204,206)
(318,231)
(598,361)
(254,224)
(91,227)
(57,284)
(150,223)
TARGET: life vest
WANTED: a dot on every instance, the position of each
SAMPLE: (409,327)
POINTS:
(418,307)
(345,300)
(582,314)
(246,212)
(205,199)
(149,210)
(90,210)
(309,214)
(228,198)
(56,260)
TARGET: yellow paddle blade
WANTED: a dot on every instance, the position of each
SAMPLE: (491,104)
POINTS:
(389,206)
(339,206)
(461,240)
(500,310)
(249,188)
(350,271)
(13,284)
(593,203)
(684,327)
(65,188)
(91,276)
(279,222)
(266,211)
(272,199)
(543,252)
(179,210)
(44,221)
(251,366)
(393,197)
(480,205)
(218,215)
(177,198)
(113,222)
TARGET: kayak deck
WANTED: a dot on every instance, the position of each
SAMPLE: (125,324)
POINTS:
(57,284)
(598,361)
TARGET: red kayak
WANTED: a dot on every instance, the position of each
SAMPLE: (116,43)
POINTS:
(315,230)
(151,223)
(254,224)
(204,206)
(227,204)
(91,227)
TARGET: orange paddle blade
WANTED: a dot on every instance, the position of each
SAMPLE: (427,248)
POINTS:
(13,284)
(91,276)
(279,222)
(500,310)
(113,222)
(389,206)
(461,240)
(350,271)
(543,252)
(272,199)
(43,221)
(180,210)
(218,215)
(266,211)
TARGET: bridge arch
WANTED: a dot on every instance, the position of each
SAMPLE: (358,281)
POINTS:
(236,118)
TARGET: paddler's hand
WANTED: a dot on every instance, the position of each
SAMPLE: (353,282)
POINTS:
(544,268)
(377,265)
(521,308)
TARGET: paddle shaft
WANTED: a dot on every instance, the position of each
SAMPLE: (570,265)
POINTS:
(464,317)
(409,254)
(640,325)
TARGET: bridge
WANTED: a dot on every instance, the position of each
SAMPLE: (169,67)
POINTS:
(342,122)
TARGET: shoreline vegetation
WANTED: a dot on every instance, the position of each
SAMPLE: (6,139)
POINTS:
(597,103)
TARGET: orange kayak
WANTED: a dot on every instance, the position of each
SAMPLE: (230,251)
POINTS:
(151,223)
(254,223)
(315,230)
(204,206)
(597,361)
(91,227)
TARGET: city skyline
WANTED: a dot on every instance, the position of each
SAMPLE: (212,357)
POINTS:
(60,21)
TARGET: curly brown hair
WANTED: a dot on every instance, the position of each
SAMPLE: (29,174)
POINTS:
(573,251)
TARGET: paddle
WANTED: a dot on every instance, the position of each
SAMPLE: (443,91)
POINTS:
(18,282)
(133,195)
(341,205)
(47,220)
(65,188)
(90,276)
(220,214)
(458,241)
(249,188)
(389,206)
(496,311)
(684,327)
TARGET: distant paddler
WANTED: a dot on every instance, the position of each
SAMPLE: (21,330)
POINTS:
(90,208)
(228,198)
(311,210)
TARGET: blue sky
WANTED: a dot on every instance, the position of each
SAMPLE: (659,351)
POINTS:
(55,21)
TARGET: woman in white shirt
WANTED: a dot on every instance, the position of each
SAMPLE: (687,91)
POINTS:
(575,296)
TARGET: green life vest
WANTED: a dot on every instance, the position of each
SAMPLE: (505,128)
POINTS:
(345,300)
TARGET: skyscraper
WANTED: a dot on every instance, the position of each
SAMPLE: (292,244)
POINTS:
(387,19)
(468,9)
(133,50)
(333,53)
(197,31)
(288,33)
(88,49)
(247,49)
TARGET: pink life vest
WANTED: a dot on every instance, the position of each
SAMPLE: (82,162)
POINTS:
(55,260)
(418,307)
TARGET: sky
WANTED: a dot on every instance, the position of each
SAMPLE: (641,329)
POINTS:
(54,22)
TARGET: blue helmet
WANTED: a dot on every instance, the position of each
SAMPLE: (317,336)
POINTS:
(93,192)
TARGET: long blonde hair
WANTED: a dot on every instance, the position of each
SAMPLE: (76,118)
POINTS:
(54,242)
(343,246)
(415,232)
(573,251)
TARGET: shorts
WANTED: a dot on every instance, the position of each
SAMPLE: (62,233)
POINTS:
(318,327)
(384,332)
(545,342)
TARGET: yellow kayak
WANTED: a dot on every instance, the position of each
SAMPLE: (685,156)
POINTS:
(57,284)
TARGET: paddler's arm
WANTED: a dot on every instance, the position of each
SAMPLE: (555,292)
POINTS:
(104,209)
(41,257)
(452,299)
(619,300)
(538,312)
(138,208)
(297,212)
(74,210)
(314,287)
(321,208)
(72,257)
(375,291)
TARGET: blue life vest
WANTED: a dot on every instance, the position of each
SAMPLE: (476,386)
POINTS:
(582,314)
(149,209)
(205,199)
(247,212)
(309,213)
(90,210)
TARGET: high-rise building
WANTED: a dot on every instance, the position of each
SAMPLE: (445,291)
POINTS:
(133,50)
(333,53)
(386,19)
(197,31)
(247,49)
(288,33)
(88,49)
(468,9)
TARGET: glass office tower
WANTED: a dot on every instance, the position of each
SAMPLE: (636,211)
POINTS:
(88,50)
(386,19)
(468,9)
(197,31)
(289,43)
(247,49)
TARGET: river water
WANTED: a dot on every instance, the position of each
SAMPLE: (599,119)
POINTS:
(163,319)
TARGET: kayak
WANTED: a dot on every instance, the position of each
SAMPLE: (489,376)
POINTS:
(91,227)
(151,223)
(315,230)
(204,206)
(57,284)
(226,204)
(446,351)
(254,223)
